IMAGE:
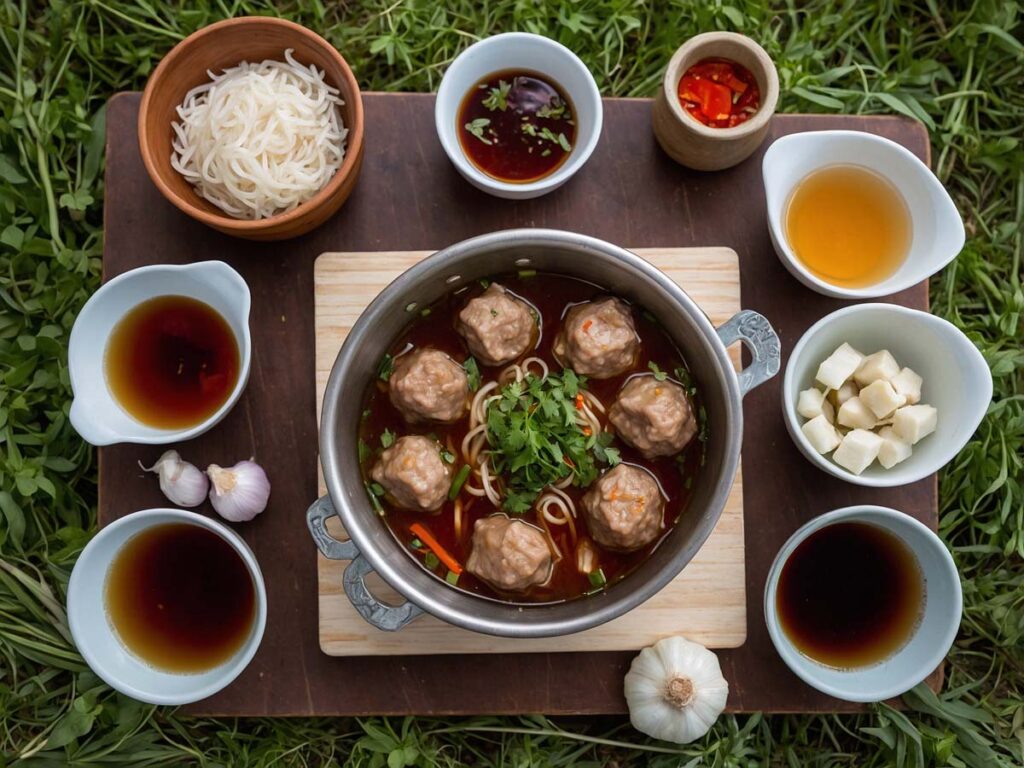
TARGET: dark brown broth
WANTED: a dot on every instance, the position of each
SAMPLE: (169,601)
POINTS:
(180,597)
(850,595)
(503,149)
(550,295)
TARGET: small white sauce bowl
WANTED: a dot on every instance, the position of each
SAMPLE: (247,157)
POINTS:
(534,53)
(98,642)
(932,638)
(95,413)
(937,229)
(957,382)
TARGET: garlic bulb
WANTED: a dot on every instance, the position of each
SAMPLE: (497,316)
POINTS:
(675,690)
(183,483)
(240,492)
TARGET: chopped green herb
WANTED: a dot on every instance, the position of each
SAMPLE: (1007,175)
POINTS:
(484,283)
(365,415)
(387,438)
(378,508)
(603,450)
(425,312)
(498,97)
(683,377)
(364,451)
(535,439)
(377,489)
(494,312)
(452,578)
(597,578)
(430,560)
(387,365)
(476,127)
(545,153)
(527,272)
(659,374)
(416,544)
(447,457)
(528,128)
(559,139)
(458,482)
(472,373)
(554,110)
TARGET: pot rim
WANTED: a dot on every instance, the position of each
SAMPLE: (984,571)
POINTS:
(557,618)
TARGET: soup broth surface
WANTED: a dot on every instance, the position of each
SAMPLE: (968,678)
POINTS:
(848,225)
(551,295)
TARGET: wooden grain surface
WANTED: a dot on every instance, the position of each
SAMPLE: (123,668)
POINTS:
(410,198)
(706,602)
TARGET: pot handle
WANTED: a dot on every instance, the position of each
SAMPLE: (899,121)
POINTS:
(758,336)
(381,615)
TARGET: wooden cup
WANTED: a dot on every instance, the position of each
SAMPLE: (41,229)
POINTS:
(215,48)
(699,146)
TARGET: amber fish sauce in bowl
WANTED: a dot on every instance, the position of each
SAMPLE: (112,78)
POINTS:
(160,354)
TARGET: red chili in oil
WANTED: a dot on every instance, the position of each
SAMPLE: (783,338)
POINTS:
(719,93)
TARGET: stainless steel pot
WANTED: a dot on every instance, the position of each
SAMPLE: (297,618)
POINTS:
(372,546)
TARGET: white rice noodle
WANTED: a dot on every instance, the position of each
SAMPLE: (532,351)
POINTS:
(260,139)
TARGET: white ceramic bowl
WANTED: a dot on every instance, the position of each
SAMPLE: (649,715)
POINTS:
(99,643)
(932,638)
(519,50)
(937,229)
(95,413)
(957,381)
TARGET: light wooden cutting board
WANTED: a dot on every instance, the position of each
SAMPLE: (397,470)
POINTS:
(706,602)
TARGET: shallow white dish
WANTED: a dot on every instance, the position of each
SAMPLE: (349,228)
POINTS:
(932,637)
(519,50)
(98,642)
(957,381)
(95,413)
(938,230)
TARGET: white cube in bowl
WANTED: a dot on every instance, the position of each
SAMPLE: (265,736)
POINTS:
(956,381)
(533,53)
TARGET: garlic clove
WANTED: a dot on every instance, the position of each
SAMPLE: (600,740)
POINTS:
(182,483)
(675,690)
(239,493)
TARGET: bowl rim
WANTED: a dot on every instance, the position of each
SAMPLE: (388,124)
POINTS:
(899,474)
(776,224)
(168,436)
(231,668)
(453,149)
(693,47)
(222,221)
(785,648)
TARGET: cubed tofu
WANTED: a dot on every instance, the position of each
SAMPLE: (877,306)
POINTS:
(854,414)
(857,450)
(845,392)
(881,365)
(881,398)
(913,422)
(893,450)
(821,434)
(809,403)
(908,384)
(839,366)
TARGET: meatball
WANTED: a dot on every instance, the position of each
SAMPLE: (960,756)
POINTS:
(427,385)
(598,339)
(413,473)
(624,508)
(497,326)
(653,416)
(510,555)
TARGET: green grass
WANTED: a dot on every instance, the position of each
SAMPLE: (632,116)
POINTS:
(958,67)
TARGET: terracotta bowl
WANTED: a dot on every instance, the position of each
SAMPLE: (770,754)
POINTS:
(699,146)
(216,48)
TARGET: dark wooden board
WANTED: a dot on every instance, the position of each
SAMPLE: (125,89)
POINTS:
(409,197)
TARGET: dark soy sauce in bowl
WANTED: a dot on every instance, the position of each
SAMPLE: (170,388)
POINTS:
(850,595)
(180,598)
(516,126)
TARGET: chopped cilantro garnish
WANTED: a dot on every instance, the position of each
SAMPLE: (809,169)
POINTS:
(386,366)
(447,457)
(364,451)
(476,127)
(430,560)
(498,97)
(472,373)
(659,374)
(387,438)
